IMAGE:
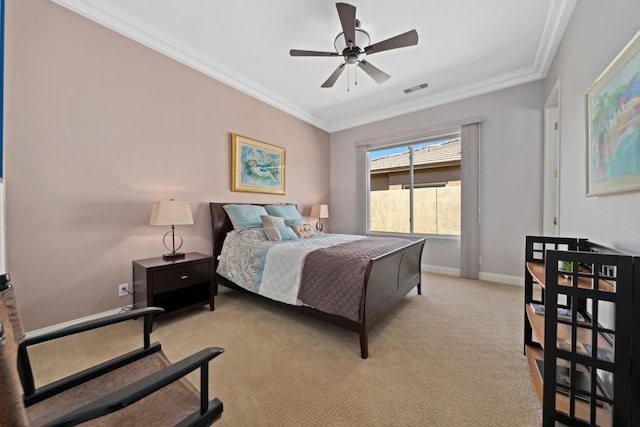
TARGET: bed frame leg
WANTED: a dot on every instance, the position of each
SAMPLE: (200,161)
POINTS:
(364,342)
(419,288)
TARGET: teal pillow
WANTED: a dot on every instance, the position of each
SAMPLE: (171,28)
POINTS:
(287,233)
(245,216)
(279,233)
(289,212)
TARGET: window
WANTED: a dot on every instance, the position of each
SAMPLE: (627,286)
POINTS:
(416,188)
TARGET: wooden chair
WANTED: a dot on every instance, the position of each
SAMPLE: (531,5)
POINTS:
(138,388)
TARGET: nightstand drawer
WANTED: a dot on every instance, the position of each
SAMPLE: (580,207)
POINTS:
(176,278)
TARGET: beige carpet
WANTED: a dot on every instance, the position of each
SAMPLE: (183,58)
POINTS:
(450,357)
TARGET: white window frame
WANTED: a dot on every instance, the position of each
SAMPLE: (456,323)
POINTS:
(414,140)
(362,147)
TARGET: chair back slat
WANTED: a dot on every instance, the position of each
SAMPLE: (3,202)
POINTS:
(12,412)
(9,314)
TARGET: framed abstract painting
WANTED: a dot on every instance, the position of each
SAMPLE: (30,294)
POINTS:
(257,167)
(613,125)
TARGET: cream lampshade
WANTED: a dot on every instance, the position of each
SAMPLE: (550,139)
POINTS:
(171,212)
(320,212)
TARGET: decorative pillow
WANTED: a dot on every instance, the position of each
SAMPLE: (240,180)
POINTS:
(272,233)
(287,233)
(280,233)
(245,216)
(272,221)
(287,211)
(303,230)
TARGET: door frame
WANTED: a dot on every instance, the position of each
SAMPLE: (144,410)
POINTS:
(551,164)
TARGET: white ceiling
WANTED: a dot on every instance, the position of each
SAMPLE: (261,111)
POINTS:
(465,48)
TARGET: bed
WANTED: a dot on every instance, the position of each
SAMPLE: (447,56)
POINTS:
(387,277)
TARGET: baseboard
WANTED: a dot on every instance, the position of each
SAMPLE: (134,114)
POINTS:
(502,278)
(489,277)
(447,271)
(73,322)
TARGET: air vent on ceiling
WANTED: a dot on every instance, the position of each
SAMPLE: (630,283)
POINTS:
(415,88)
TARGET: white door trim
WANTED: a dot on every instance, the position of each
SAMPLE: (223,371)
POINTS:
(551,165)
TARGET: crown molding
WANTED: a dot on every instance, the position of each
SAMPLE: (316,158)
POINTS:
(554,28)
(557,20)
(102,13)
(465,92)
(134,29)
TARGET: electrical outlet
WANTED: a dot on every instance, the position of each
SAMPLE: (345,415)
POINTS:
(123,289)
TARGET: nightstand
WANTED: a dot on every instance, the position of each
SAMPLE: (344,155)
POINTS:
(175,285)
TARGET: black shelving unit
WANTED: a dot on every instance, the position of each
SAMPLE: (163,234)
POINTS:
(587,376)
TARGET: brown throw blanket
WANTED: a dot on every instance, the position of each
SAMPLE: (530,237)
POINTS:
(333,278)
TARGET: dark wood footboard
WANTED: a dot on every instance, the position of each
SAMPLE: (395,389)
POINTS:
(388,279)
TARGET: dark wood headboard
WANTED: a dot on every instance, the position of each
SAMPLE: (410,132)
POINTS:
(220,226)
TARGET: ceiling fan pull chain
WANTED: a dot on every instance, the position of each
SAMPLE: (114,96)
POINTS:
(355,76)
(348,79)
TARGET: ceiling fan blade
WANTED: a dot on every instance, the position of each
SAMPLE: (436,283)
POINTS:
(296,52)
(347,14)
(409,38)
(333,77)
(375,73)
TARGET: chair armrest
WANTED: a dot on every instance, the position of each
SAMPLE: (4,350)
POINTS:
(24,364)
(140,389)
(92,324)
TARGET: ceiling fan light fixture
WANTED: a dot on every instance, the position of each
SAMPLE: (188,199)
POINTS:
(348,42)
(362,39)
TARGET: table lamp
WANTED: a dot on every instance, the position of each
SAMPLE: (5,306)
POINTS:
(320,212)
(171,212)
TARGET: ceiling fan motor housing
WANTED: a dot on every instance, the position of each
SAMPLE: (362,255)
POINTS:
(351,54)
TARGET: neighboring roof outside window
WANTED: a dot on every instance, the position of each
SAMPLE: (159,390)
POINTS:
(445,154)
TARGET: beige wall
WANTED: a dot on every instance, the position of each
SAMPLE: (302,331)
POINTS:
(97,128)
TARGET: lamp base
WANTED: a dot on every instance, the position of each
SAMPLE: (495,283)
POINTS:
(173,256)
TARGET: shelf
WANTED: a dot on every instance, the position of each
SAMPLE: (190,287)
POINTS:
(537,270)
(183,298)
(534,353)
(603,413)
(537,324)
(564,331)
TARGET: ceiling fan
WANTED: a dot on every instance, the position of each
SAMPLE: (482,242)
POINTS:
(348,42)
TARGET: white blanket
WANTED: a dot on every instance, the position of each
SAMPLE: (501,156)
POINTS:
(282,267)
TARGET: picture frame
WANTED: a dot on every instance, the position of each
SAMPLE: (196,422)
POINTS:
(613,125)
(257,167)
